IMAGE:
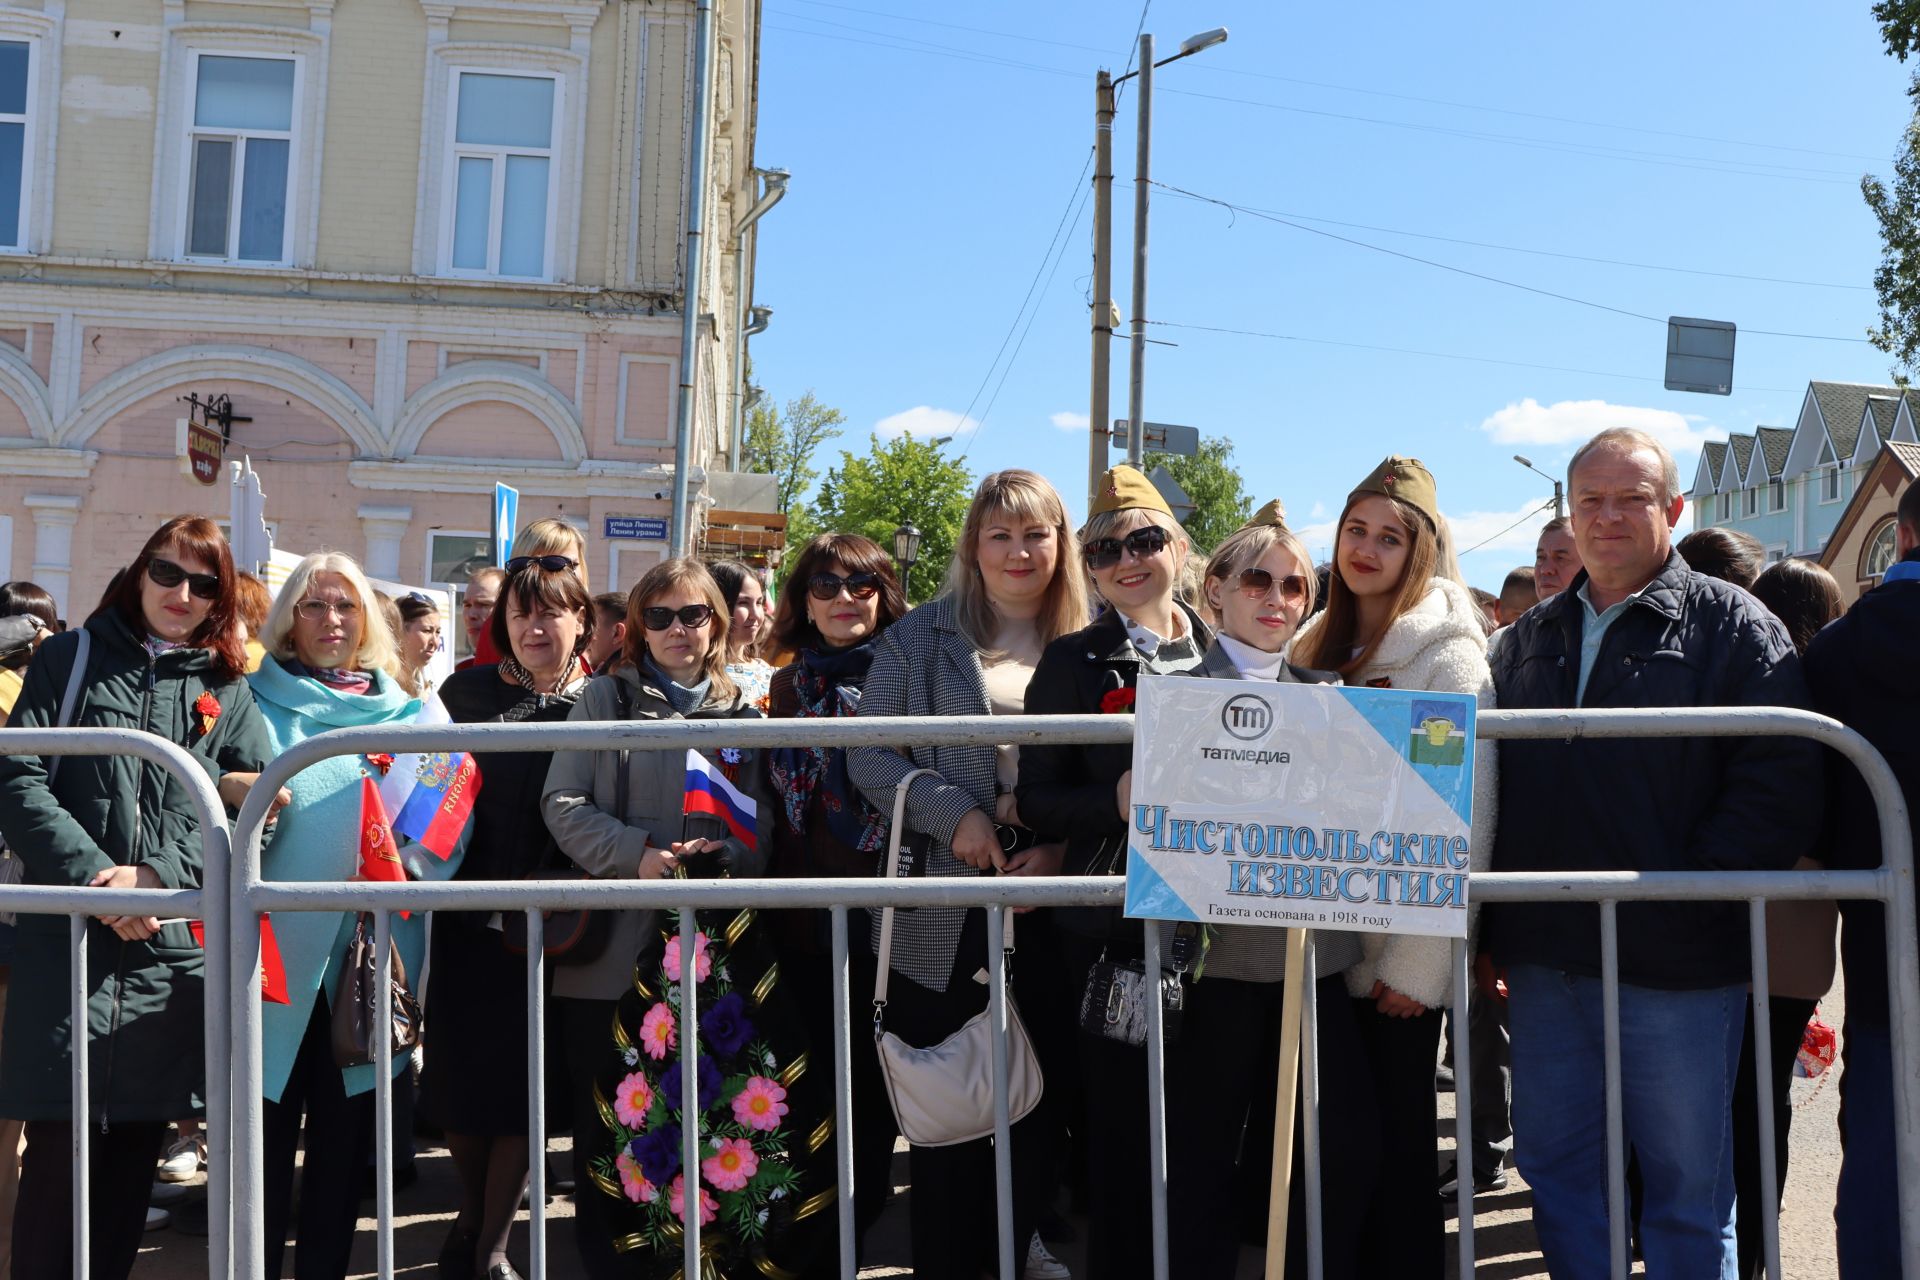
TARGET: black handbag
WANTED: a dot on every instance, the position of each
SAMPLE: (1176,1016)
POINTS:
(1114,1004)
(355,1005)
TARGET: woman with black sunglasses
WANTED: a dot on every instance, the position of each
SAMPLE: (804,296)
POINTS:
(840,595)
(163,655)
(1131,550)
(675,670)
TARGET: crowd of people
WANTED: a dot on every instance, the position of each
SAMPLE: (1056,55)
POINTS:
(1036,618)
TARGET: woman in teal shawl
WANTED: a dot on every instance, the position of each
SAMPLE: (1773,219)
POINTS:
(331,658)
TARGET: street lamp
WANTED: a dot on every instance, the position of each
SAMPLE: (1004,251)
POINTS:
(906,551)
(1103,244)
(1559,492)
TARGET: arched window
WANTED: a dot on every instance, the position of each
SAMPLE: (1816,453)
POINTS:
(1880,553)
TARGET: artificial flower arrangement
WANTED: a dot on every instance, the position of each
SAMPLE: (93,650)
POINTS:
(758,1175)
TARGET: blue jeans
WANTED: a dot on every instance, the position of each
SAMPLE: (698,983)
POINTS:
(1679,1051)
(1866,1210)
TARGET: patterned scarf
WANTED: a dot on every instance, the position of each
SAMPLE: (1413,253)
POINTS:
(339,678)
(827,684)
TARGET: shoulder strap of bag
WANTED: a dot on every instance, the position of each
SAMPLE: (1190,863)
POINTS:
(624,755)
(71,697)
(886,914)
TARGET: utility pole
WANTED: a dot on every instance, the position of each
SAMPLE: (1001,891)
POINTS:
(1098,421)
(1136,373)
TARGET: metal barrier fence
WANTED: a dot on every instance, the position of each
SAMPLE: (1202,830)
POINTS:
(231,900)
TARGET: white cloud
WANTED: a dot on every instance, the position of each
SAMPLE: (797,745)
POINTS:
(924,420)
(1566,424)
(1067,420)
(1319,511)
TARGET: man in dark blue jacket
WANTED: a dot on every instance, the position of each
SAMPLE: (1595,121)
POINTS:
(1638,628)
(1865,672)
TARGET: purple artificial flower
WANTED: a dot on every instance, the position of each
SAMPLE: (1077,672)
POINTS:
(726,1026)
(658,1151)
(708,1085)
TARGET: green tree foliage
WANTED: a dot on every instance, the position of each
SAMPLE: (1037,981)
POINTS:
(900,481)
(1897,209)
(1220,500)
(783,447)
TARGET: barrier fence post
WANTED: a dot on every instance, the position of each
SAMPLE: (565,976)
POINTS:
(380,1040)
(1463,1173)
(843,1095)
(1763,1085)
(82,1095)
(689,1094)
(1002,1124)
(1616,1144)
(1156,1100)
(1310,1107)
(537,1097)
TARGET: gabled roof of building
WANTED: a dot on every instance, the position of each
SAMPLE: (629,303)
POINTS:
(1774,443)
(1884,409)
(1713,455)
(1741,446)
(1907,454)
(1843,404)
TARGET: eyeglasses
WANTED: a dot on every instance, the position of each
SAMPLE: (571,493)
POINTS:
(317,610)
(1104,553)
(552,564)
(167,574)
(828,586)
(659,617)
(1256,583)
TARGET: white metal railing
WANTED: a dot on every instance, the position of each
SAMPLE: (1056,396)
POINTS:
(231,900)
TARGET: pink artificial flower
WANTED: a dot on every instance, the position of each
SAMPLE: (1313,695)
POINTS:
(732,1166)
(709,1207)
(702,962)
(760,1104)
(657,1032)
(633,1097)
(633,1182)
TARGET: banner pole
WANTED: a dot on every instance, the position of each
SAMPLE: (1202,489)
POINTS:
(1285,1099)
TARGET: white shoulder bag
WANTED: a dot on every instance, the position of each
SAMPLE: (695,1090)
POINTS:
(943,1095)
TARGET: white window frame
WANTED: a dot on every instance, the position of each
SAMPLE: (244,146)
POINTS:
(1752,501)
(192,134)
(38,31)
(1829,483)
(1726,507)
(1776,496)
(555,154)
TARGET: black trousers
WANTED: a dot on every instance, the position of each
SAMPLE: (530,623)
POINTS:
(120,1177)
(1405,1231)
(586,1038)
(1220,1129)
(1789,1024)
(951,1210)
(339,1135)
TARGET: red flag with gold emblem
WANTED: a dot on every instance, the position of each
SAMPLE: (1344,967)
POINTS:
(379,857)
(273,971)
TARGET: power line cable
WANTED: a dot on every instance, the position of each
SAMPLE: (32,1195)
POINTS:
(1477,275)
(1133,51)
(1509,529)
(1432,355)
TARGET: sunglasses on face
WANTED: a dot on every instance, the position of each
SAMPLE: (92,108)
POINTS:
(1104,553)
(552,564)
(167,574)
(828,586)
(1256,583)
(659,617)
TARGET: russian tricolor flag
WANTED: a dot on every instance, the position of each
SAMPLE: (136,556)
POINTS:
(428,795)
(709,792)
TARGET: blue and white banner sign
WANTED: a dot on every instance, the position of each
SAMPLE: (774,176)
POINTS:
(1301,805)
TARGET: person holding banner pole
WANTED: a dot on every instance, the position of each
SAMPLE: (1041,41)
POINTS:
(471,1089)
(1221,1072)
(1132,549)
(1395,619)
(633,827)
(331,665)
(972,651)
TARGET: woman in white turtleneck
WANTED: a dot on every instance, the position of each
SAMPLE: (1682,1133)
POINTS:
(1220,1073)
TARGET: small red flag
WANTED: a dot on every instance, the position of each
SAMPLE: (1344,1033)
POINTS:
(379,858)
(273,971)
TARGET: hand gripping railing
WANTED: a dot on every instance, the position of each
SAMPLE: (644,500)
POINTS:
(208,904)
(1892,885)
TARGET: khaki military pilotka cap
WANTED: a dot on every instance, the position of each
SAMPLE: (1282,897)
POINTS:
(1123,488)
(1406,479)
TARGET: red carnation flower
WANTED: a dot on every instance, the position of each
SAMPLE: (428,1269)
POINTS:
(207,707)
(1114,701)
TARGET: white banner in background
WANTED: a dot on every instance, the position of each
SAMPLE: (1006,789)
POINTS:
(1301,805)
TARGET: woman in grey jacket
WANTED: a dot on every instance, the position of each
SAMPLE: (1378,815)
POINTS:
(675,670)
(1221,1071)
(1010,592)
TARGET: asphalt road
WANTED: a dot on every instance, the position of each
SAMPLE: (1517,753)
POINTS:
(1504,1239)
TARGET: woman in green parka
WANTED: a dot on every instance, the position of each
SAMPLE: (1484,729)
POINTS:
(163,655)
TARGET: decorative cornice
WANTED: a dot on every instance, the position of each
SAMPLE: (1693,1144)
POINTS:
(626,480)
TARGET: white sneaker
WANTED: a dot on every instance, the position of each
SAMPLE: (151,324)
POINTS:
(183,1159)
(158,1218)
(1042,1265)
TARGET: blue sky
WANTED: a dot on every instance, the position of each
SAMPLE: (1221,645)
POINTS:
(935,153)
